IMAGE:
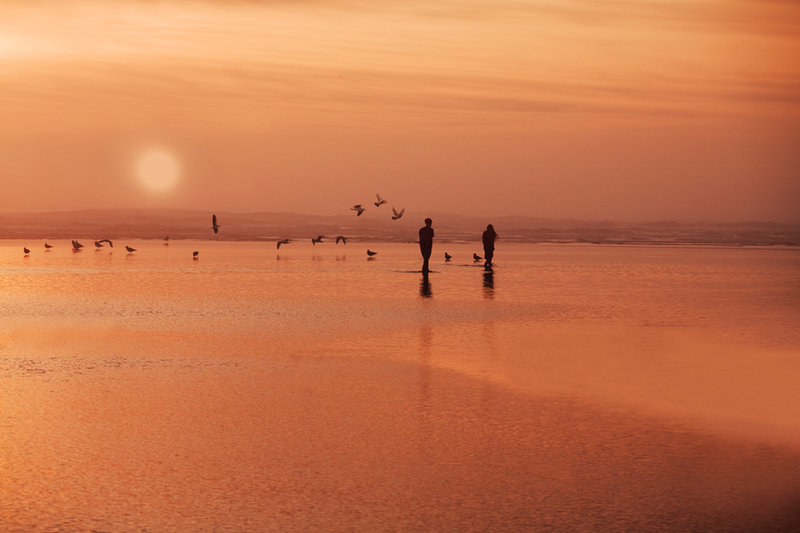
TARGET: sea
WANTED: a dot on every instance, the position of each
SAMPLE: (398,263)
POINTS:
(572,387)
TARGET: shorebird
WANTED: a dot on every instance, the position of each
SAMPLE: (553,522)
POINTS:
(26,251)
(166,240)
(380,201)
(476,257)
(360,210)
(370,252)
(214,224)
(447,257)
(101,241)
(130,250)
(284,241)
(76,245)
(341,238)
(195,254)
(318,239)
(47,246)
(397,214)
(98,244)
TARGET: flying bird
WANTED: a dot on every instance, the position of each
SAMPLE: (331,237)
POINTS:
(318,239)
(47,246)
(26,251)
(476,257)
(341,238)
(360,210)
(397,214)
(284,241)
(380,201)
(447,257)
(370,252)
(195,254)
(130,250)
(214,224)
(98,244)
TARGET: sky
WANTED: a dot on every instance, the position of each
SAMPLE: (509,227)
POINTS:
(641,110)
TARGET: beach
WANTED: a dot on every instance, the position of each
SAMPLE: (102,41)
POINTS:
(574,388)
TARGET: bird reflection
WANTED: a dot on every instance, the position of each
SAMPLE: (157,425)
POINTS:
(488,284)
(425,286)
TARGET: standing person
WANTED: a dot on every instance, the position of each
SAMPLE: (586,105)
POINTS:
(426,243)
(488,245)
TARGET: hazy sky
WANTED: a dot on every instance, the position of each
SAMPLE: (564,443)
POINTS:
(620,109)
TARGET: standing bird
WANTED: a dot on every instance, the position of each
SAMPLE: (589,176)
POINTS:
(166,240)
(341,238)
(76,245)
(370,252)
(101,241)
(214,224)
(98,244)
(26,251)
(195,254)
(284,241)
(130,250)
(318,239)
(380,201)
(397,214)
(447,257)
(360,210)
(476,257)
(47,246)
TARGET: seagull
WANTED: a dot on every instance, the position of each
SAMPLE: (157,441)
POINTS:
(195,254)
(447,257)
(476,257)
(318,239)
(370,252)
(130,250)
(380,201)
(26,251)
(358,208)
(397,214)
(341,238)
(76,245)
(284,241)
(111,244)
(98,244)
(47,246)
(214,224)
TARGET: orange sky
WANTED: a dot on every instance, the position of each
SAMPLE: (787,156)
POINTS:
(634,110)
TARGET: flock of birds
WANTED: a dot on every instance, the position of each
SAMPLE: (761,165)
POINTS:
(358,208)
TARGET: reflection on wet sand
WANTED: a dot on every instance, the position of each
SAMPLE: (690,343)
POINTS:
(488,284)
(425,289)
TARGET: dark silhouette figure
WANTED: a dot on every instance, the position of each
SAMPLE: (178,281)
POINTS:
(488,245)
(130,250)
(426,243)
(341,238)
(284,241)
(447,257)
(476,257)
(195,254)
(425,286)
(26,251)
(380,201)
(214,224)
(47,246)
(370,253)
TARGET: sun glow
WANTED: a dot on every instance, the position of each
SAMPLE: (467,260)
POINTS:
(158,170)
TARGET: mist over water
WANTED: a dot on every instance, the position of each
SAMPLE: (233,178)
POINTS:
(572,388)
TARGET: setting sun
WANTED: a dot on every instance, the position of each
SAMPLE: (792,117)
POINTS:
(158,170)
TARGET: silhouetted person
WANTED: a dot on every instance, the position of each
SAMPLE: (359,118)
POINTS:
(426,243)
(488,245)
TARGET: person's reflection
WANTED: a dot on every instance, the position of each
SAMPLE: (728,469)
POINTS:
(425,286)
(488,284)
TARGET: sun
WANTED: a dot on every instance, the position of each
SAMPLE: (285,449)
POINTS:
(158,170)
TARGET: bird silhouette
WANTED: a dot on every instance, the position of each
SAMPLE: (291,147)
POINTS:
(447,257)
(166,240)
(284,241)
(26,251)
(47,246)
(318,239)
(76,245)
(397,214)
(214,224)
(380,201)
(360,210)
(101,241)
(195,254)
(98,244)
(476,257)
(130,250)
(370,252)
(341,238)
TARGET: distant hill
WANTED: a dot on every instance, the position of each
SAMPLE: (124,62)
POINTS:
(378,225)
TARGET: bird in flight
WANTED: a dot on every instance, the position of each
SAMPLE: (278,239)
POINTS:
(111,244)
(284,241)
(359,209)
(26,251)
(476,257)
(341,238)
(380,201)
(447,257)
(214,224)
(130,250)
(397,214)
(370,252)
(47,246)
(318,239)
(195,254)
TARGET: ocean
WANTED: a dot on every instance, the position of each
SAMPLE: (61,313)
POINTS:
(574,387)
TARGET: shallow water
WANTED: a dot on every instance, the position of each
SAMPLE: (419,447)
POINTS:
(574,388)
